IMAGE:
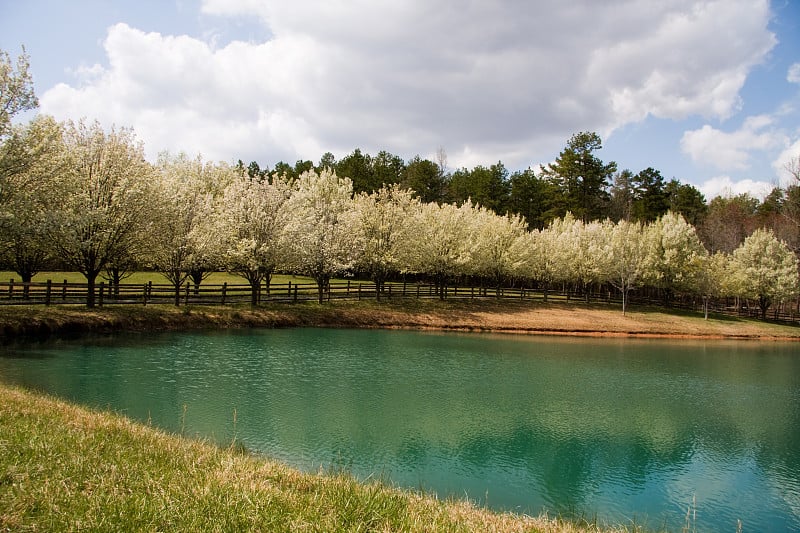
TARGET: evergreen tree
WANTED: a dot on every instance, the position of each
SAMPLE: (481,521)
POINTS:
(581,177)
(651,199)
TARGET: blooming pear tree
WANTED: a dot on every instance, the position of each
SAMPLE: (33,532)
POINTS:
(104,208)
(540,260)
(711,277)
(583,257)
(444,242)
(626,248)
(27,194)
(249,220)
(553,257)
(499,246)
(16,89)
(767,268)
(323,233)
(186,203)
(383,219)
(676,247)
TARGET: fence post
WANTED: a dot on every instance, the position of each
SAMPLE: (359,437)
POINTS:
(348,289)
(225,291)
(359,291)
(48,293)
(188,287)
(11,287)
(289,290)
(295,292)
(102,292)
(149,290)
(417,290)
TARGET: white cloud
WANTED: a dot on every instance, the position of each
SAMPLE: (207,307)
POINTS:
(731,150)
(790,156)
(495,80)
(793,75)
(725,186)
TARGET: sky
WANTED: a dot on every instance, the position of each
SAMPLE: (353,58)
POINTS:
(705,91)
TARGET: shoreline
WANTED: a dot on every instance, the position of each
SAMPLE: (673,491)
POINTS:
(467,316)
(600,334)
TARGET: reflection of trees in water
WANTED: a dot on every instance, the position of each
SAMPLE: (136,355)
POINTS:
(569,469)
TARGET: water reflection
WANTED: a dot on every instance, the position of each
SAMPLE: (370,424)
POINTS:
(596,427)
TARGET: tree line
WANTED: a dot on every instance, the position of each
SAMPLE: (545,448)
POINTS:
(577,182)
(75,195)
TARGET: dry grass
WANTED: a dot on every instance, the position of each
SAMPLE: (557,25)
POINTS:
(463,315)
(64,468)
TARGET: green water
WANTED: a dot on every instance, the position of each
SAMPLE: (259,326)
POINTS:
(620,430)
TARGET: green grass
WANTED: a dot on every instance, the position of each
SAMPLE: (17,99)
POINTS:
(64,468)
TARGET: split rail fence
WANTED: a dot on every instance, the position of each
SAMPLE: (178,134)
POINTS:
(60,293)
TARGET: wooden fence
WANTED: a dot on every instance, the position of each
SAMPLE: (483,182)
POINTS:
(53,293)
(56,293)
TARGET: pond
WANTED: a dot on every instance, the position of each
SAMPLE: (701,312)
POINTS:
(621,430)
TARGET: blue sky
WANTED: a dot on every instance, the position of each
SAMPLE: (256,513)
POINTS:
(704,91)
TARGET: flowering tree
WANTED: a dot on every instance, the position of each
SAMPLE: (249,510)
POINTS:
(627,248)
(104,208)
(710,277)
(540,260)
(26,195)
(383,220)
(443,242)
(16,89)
(186,203)
(249,222)
(583,257)
(767,267)
(676,247)
(499,246)
(322,232)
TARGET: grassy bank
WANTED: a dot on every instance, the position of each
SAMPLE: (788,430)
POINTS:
(462,315)
(64,468)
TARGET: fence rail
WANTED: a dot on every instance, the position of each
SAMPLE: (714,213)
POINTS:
(56,293)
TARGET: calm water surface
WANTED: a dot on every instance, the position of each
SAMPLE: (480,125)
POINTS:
(620,430)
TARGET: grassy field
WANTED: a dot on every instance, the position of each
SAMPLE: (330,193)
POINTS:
(65,468)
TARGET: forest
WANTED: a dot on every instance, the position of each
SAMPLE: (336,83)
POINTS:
(75,196)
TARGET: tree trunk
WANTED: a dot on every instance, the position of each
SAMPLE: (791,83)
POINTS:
(116,279)
(764,303)
(26,278)
(624,301)
(322,283)
(197,276)
(255,292)
(91,278)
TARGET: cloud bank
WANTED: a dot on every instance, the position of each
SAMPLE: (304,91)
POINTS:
(485,80)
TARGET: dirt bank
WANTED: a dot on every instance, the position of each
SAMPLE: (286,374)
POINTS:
(462,315)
